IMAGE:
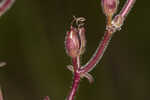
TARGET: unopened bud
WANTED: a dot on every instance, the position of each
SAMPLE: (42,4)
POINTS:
(75,39)
(109,7)
(73,42)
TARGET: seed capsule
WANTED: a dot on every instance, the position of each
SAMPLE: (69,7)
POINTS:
(109,7)
(73,42)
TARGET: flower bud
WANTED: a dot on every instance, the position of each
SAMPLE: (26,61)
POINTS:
(73,42)
(109,7)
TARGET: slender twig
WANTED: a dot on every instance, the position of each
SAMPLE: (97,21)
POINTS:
(113,24)
(5,5)
(76,80)
(74,87)
(107,37)
(127,7)
(95,59)
(118,20)
(98,54)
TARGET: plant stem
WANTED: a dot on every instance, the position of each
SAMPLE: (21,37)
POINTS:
(98,54)
(5,5)
(127,7)
(90,65)
(110,29)
(76,79)
(107,37)
(74,87)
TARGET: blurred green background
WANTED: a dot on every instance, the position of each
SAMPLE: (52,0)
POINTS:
(32,36)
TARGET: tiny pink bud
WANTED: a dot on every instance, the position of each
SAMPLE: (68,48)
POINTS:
(109,6)
(73,42)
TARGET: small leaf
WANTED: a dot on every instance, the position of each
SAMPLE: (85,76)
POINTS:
(88,76)
(70,67)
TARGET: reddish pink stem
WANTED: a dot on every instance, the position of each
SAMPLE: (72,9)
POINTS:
(76,80)
(98,54)
(127,7)
(74,87)
(76,64)
(104,43)
(5,5)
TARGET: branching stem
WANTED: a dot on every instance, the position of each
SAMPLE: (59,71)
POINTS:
(111,27)
(98,54)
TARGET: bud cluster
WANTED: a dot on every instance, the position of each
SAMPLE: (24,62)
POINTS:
(110,7)
(75,39)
